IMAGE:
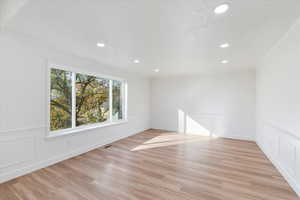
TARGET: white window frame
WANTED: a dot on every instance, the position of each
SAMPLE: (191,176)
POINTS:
(82,128)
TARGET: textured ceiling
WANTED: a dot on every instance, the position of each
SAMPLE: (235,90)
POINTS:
(177,36)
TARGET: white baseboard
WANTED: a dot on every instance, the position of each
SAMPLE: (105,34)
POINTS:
(232,136)
(238,137)
(46,163)
(291,180)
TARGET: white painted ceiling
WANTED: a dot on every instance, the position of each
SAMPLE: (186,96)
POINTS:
(177,36)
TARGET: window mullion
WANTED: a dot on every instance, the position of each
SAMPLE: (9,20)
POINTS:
(73,99)
(124,100)
(110,100)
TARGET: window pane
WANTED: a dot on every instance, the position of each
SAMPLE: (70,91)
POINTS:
(117,100)
(92,99)
(61,100)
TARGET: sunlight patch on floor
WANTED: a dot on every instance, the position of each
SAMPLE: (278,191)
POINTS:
(170,139)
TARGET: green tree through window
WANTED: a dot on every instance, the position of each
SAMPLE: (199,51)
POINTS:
(117,100)
(61,99)
(90,94)
(92,99)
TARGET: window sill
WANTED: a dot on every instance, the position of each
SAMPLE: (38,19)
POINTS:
(53,134)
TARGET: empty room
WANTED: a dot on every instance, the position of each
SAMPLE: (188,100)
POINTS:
(150,100)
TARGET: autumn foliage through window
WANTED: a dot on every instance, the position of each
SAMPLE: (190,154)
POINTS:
(90,96)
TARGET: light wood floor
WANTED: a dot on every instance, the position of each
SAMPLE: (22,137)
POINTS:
(157,165)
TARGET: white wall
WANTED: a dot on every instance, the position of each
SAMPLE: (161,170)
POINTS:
(278,106)
(221,104)
(23,146)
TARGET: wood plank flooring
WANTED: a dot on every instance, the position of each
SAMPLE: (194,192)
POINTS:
(158,165)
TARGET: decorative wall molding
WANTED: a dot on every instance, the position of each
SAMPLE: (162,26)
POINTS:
(11,174)
(284,130)
(16,155)
(194,122)
(20,130)
(282,148)
(41,128)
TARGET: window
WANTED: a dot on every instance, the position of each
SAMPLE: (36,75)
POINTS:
(92,99)
(79,100)
(117,110)
(61,99)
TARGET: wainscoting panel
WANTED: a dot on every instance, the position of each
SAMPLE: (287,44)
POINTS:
(25,150)
(298,163)
(16,151)
(206,124)
(283,149)
(287,154)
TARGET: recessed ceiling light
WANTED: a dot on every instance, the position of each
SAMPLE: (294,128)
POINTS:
(100,44)
(224,61)
(156,70)
(136,61)
(222,8)
(225,45)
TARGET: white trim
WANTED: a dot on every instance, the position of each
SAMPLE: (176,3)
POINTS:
(82,128)
(125,100)
(10,131)
(74,129)
(237,137)
(73,69)
(45,163)
(73,100)
(48,98)
(226,136)
(290,179)
(23,160)
(285,130)
(110,100)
